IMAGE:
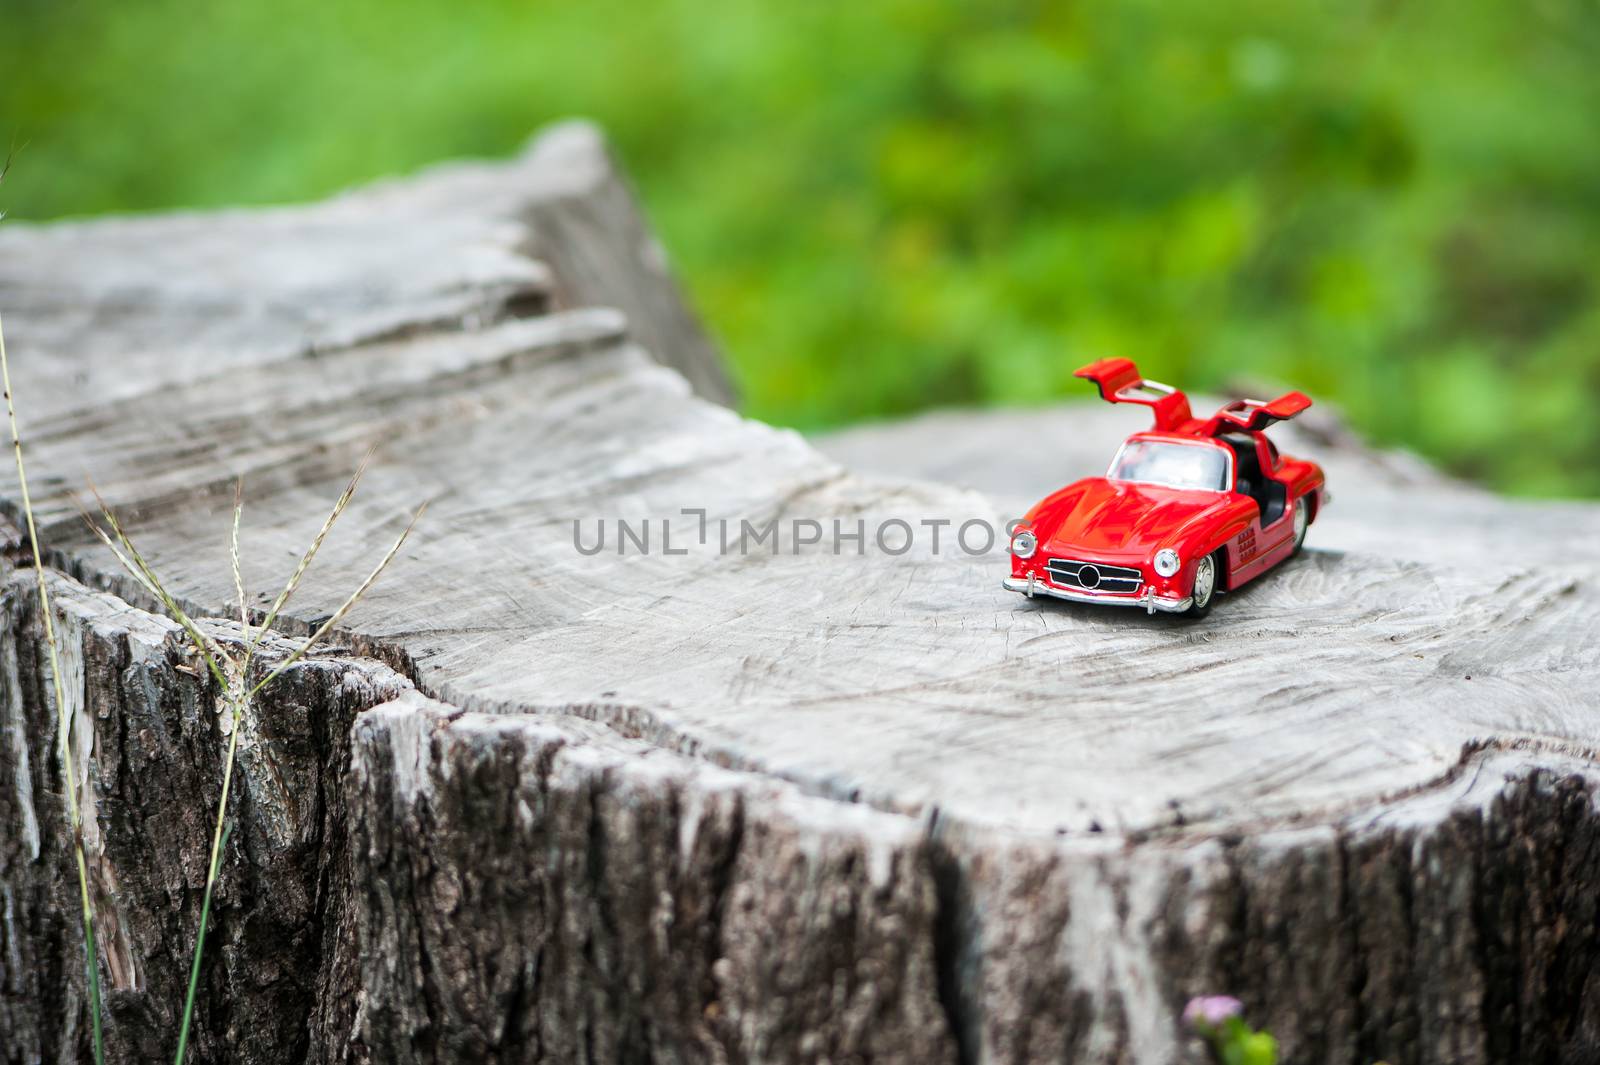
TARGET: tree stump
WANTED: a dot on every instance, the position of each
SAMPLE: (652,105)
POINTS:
(776,804)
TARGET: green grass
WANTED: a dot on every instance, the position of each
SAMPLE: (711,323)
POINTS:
(882,207)
(237,687)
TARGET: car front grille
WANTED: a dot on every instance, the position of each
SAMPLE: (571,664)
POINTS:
(1093,576)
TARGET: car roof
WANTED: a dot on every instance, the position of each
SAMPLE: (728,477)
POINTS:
(1179,438)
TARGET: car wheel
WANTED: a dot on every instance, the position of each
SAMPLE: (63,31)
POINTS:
(1204,590)
(1302,518)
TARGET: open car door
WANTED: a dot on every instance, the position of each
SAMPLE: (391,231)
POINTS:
(1252,415)
(1119,381)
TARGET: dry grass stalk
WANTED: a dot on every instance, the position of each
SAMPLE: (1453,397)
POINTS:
(232,670)
(91,954)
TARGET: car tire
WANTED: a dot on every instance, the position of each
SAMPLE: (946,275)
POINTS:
(1203,593)
(1302,521)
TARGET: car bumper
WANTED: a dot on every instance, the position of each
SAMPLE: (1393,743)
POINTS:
(1151,602)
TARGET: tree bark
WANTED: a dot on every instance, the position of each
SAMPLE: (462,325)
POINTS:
(776,804)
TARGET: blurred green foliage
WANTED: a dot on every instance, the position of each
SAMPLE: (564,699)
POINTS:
(890,205)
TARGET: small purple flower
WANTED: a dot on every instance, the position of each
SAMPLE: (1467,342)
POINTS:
(1211,1010)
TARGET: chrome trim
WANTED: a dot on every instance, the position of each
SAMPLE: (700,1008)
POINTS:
(1149,600)
(1122,573)
(1127,391)
(1108,575)
(1244,406)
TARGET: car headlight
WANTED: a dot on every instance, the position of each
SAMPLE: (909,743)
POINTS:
(1024,544)
(1167,562)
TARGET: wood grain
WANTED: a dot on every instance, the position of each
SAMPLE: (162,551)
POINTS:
(783,804)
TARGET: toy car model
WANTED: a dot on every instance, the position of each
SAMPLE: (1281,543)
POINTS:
(1188,509)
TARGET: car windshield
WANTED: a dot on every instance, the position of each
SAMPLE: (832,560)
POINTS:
(1172,465)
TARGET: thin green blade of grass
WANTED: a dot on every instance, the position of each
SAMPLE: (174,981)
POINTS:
(232,673)
(64,723)
(240,702)
(219,840)
(205,917)
(232,684)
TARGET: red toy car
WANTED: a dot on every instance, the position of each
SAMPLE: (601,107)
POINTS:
(1187,509)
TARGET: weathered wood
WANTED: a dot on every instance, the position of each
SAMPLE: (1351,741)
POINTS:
(781,805)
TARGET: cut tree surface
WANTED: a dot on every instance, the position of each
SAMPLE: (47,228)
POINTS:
(779,802)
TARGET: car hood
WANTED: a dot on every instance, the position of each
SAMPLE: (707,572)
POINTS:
(1110,519)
